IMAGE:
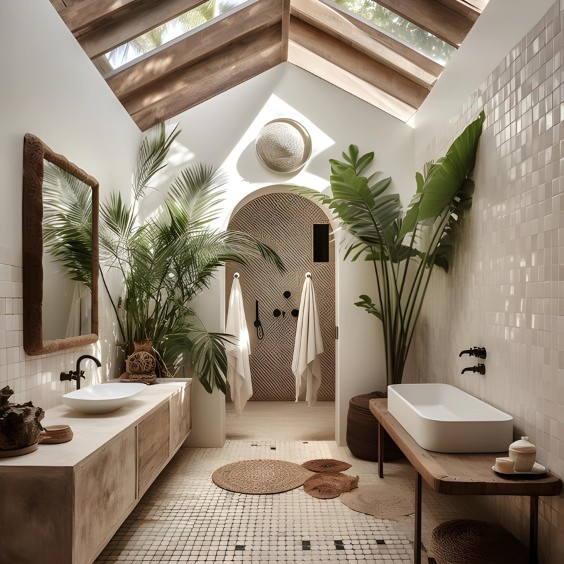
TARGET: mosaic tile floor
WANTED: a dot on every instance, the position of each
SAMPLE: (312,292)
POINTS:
(184,517)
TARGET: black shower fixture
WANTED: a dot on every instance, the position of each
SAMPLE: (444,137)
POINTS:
(277,313)
(295,312)
(287,294)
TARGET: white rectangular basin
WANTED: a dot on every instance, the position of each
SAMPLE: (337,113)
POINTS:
(443,418)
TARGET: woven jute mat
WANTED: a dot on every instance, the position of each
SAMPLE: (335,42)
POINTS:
(384,502)
(328,485)
(260,476)
(326,465)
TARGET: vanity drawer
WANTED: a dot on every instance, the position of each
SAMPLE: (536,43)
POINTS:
(153,446)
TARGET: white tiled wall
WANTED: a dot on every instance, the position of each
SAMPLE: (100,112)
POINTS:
(36,378)
(506,287)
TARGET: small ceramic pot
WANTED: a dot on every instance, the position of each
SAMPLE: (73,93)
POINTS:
(523,453)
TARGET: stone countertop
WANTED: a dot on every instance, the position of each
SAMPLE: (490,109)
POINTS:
(91,432)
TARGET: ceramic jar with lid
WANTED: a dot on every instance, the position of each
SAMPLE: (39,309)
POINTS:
(523,453)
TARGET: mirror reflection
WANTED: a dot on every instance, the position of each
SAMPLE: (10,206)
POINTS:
(67,254)
(60,251)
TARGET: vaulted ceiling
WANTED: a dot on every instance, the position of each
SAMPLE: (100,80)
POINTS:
(318,36)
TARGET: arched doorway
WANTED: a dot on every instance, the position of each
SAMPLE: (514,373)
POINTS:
(299,231)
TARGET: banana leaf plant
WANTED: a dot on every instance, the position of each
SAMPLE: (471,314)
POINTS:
(166,260)
(403,249)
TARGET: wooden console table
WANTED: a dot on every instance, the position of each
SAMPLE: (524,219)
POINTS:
(459,474)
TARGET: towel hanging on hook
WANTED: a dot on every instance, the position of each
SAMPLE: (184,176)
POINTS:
(308,345)
(238,367)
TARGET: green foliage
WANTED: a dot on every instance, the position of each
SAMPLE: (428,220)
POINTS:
(403,250)
(67,222)
(169,259)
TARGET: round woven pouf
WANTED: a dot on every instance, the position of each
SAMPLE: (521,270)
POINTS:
(466,541)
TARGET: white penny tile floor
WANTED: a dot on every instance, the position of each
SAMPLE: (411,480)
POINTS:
(185,517)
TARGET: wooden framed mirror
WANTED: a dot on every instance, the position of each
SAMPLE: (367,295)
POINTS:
(38,160)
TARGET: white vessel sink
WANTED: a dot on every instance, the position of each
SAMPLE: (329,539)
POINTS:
(443,418)
(102,398)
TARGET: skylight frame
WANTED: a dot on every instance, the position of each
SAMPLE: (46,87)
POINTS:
(165,45)
(334,5)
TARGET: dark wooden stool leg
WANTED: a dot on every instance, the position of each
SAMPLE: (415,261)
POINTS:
(380,451)
(417,533)
(533,529)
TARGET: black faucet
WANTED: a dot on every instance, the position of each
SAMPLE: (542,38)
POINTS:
(479,368)
(478,352)
(78,373)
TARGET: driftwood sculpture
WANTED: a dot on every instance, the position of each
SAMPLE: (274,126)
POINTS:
(20,424)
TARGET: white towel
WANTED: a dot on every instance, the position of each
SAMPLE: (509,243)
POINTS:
(238,369)
(308,346)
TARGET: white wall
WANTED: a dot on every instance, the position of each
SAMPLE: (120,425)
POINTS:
(51,89)
(505,290)
(222,132)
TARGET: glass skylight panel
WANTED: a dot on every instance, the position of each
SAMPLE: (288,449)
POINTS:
(399,28)
(169,31)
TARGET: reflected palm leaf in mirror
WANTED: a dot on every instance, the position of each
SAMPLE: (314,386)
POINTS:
(67,222)
(54,191)
(67,260)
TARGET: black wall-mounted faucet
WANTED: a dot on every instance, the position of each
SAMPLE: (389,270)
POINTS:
(78,373)
(479,368)
(478,352)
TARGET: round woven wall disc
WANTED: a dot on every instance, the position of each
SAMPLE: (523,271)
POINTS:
(283,145)
(326,465)
(260,476)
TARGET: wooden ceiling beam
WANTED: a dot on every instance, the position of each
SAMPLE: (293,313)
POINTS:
(192,85)
(336,76)
(142,16)
(353,61)
(465,9)
(365,39)
(84,15)
(433,17)
(221,35)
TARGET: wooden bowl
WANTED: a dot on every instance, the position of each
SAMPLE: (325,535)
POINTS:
(55,434)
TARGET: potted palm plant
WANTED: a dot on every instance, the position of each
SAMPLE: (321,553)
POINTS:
(403,248)
(166,260)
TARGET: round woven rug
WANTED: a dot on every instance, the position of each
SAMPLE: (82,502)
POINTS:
(328,485)
(260,476)
(383,502)
(326,465)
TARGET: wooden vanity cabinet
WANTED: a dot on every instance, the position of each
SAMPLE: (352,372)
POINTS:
(63,503)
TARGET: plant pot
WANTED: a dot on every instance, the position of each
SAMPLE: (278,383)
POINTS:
(362,431)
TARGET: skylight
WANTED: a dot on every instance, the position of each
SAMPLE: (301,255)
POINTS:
(399,28)
(169,31)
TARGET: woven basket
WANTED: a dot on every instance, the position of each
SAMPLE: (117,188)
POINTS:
(466,541)
(362,431)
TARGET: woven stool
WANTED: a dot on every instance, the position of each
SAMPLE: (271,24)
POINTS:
(466,541)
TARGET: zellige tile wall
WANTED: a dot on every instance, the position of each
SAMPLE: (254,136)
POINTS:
(36,378)
(505,290)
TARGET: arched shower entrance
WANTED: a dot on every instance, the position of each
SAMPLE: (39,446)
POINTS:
(299,230)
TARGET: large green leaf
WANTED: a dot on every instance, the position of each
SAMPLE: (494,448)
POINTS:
(445,179)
